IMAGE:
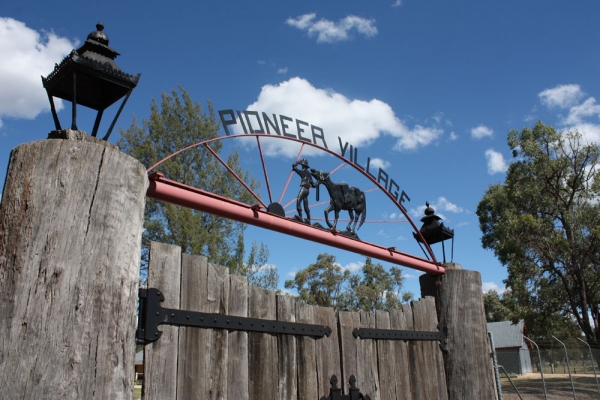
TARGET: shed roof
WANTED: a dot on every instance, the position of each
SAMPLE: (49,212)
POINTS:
(506,334)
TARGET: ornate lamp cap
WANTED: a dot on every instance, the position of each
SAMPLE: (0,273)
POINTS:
(98,35)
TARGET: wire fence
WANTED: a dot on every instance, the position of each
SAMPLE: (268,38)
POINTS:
(550,368)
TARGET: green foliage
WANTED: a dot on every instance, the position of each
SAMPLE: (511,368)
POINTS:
(174,124)
(496,309)
(326,284)
(543,224)
(321,283)
(377,289)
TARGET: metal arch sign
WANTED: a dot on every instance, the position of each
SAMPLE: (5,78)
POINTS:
(282,127)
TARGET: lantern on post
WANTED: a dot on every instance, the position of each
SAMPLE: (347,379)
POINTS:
(434,231)
(89,76)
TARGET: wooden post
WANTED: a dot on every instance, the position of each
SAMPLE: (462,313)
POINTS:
(71,219)
(461,316)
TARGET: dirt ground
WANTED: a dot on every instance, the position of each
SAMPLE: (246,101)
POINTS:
(558,387)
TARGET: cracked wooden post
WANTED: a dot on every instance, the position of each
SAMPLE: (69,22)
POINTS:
(461,316)
(71,219)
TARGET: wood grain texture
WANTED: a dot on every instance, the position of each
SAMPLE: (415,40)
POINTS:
(368,378)
(307,358)
(237,368)
(70,233)
(468,362)
(402,319)
(286,347)
(160,357)
(328,350)
(262,347)
(386,359)
(348,321)
(202,363)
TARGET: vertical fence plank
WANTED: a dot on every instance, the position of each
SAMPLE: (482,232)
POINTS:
(307,359)
(288,389)
(386,359)
(191,366)
(435,357)
(348,321)
(368,377)
(203,352)
(160,357)
(263,370)
(328,350)
(217,302)
(424,355)
(237,370)
(402,319)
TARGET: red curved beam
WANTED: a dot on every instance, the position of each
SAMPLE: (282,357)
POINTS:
(187,196)
(399,205)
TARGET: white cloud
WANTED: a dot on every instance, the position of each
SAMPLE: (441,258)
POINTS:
(563,96)
(331,32)
(453,136)
(487,286)
(440,205)
(353,266)
(357,122)
(383,233)
(579,112)
(379,163)
(481,131)
(282,70)
(495,162)
(25,55)
(397,3)
(582,115)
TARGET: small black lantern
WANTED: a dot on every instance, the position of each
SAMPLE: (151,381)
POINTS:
(434,231)
(89,76)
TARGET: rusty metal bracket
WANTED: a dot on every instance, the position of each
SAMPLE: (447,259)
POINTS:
(392,334)
(152,314)
(335,393)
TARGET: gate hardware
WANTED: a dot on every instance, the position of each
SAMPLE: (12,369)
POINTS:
(335,393)
(392,334)
(151,314)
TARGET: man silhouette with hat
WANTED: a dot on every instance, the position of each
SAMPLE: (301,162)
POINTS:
(305,184)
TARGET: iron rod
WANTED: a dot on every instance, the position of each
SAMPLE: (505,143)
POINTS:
(186,196)
(592,359)
(495,361)
(568,365)
(541,365)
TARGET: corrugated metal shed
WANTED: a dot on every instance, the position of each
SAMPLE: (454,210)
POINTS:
(506,334)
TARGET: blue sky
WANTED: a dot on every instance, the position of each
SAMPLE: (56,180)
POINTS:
(428,88)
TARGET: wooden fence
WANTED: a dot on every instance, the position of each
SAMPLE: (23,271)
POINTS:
(198,363)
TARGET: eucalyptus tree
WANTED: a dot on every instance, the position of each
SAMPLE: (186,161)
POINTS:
(177,122)
(543,224)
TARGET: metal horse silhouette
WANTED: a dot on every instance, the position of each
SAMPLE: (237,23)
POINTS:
(343,197)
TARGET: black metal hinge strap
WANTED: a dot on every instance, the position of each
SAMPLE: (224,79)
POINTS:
(152,314)
(392,334)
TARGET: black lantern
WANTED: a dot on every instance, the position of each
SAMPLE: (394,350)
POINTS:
(434,231)
(89,76)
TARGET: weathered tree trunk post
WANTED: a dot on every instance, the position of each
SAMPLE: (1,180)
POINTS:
(461,315)
(71,219)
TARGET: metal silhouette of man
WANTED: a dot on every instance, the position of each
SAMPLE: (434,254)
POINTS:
(305,184)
